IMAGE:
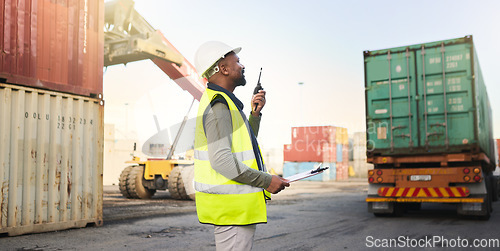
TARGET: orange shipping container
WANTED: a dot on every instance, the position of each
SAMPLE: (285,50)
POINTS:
(54,45)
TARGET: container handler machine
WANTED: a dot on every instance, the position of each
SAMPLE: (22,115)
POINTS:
(129,37)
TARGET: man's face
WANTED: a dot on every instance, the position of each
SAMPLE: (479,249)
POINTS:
(236,69)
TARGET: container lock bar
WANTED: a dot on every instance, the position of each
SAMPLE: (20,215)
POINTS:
(425,99)
(410,144)
(446,142)
(389,57)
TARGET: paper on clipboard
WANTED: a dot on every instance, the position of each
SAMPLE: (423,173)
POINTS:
(306,174)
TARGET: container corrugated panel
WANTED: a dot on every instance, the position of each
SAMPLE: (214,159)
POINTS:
(342,136)
(50,160)
(359,146)
(53,45)
(292,168)
(350,147)
(345,153)
(312,152)
(339,152)
(313,134)
(361,167)
(427,98)
(342,171)
(333,170)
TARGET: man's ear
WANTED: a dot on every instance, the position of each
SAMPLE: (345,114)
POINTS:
(223,68)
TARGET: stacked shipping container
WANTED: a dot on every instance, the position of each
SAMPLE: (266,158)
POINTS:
(317,144)
(359,155)
(342,141)
(53,45)
(52,134)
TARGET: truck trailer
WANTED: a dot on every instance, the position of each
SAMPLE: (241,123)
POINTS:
(429,129)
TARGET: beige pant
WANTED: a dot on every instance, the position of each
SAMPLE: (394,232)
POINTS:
(234,238)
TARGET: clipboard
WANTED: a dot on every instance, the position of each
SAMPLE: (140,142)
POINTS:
(306,174)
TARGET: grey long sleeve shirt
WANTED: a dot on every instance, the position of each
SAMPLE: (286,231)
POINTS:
(218,128)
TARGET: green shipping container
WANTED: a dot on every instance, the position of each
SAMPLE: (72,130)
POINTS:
(427,99)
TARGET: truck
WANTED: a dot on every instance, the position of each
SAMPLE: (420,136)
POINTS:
(128,37)
(429,129)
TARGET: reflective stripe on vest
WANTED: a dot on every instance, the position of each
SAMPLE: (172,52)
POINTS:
(241,156)
(225,189)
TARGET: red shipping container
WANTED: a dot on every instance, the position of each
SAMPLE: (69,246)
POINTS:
(314,134)
(298,152)
(54,45)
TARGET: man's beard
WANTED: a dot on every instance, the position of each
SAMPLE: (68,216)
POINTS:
(241,81)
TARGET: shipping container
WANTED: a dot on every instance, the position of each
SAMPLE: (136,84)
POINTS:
(314,134)
(333,170)
(351,145)
(427,98)
(359,138)
(361,167)
(312,152)
(342,171)
(292,168)
(339,152)
(50,160)
(53,45)
(342,136)
(345,153)
(359,146)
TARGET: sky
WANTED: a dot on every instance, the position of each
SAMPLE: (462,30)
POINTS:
(318,43)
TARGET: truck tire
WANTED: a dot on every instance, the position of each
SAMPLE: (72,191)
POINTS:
(134,184)
(187,173)
(123,182)
(181,183)
(494,187)
(487,202)
(176,185)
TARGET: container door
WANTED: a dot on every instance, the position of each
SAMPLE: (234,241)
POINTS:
(446,109)
(390,97)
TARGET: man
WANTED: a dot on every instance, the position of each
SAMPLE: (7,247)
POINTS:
(231,180)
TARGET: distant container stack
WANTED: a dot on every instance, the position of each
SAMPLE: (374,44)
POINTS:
(312,145)
(51,115)
(359,155)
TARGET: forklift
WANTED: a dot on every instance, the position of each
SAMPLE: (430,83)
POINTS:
(129,37)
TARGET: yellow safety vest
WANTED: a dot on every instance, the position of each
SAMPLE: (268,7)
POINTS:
(219,200)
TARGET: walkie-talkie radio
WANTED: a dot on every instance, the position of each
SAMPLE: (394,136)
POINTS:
(258,88)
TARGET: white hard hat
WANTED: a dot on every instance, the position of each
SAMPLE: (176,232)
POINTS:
(209,54)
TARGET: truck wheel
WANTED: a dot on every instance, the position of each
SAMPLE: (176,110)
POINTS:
(123,182)
(487,205)
(175,184)
(494,188)
(187,173)
(134,184)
